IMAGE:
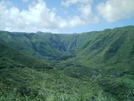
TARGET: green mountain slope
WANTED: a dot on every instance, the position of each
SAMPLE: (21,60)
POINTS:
(24,78)
(98,49)
(106,50)
(44,45)
(30,44)
(10,57)
(109,48)
(107,57)
(66,43)
(92,66)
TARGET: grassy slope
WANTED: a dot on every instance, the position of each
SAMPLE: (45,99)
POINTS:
(62,42)
(104,56)
(67,43)
(25,84)
(10,57)
(108,58)
(19,82)
(30,44)
(109,48)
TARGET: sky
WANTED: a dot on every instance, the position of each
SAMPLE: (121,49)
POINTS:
(65,16)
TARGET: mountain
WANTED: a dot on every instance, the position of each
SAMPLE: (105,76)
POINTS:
(91,66)
(29,43)
(108,49)
(25,78)
(10,57)
(66,43)
(44,45)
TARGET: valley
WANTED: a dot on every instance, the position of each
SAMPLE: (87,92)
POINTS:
(91,66)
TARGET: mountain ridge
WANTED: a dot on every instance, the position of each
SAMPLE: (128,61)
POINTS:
(94,66)
(42,44)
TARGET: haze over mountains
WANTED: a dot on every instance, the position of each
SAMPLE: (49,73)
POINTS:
(105,58)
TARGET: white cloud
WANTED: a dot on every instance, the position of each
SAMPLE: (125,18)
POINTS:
(85,8)
(87,14)
(37,17)
(69,2)
(25,0)
(114,10)
(75,21)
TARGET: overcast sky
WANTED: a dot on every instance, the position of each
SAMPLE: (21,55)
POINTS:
(65,16)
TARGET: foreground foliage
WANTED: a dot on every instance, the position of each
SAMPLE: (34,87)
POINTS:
(26,84)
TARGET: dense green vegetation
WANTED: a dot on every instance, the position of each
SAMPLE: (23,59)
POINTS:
(30,44)
(91,66)
(10,57)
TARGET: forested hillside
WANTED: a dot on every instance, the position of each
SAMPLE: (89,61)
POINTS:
(91,66)
(29,43)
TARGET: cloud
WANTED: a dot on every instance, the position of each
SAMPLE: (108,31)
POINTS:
(25,0)
(69,2)
(86,13)
(37,17)
(114,10)
(85,9)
